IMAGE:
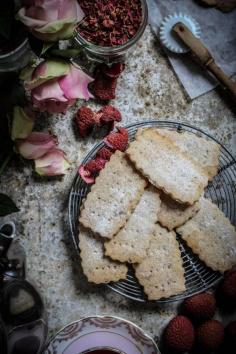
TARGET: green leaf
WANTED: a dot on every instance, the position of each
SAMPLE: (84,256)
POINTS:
(7,206)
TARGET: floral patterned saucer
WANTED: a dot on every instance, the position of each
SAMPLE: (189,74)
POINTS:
(102,332)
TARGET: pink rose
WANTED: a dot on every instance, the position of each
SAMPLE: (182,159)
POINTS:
(53,163)
(36,145)
(51,20)
(56,84)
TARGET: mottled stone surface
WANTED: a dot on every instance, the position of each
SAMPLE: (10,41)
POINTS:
(148,89)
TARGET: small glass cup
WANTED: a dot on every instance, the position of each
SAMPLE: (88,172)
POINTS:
(116,54)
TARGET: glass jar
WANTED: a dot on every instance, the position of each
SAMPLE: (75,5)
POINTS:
(16,58)
(116,54)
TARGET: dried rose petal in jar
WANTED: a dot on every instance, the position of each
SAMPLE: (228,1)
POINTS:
(111,28)
(110,23)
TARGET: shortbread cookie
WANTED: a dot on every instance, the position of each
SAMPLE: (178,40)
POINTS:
(173,214)
(131,242)
(211,236)
(166,167)
(206,153)
(98,268)
(161,273)
(112,199)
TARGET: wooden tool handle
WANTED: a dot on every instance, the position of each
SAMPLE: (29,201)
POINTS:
(205,57)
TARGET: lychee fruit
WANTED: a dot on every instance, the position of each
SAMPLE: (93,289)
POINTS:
(230,334)
(200,307)
(228,287)
(179,334)
(210,335)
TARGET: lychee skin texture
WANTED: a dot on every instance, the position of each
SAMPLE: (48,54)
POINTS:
(179,334)
(228,287)
(200,307)
(210,335)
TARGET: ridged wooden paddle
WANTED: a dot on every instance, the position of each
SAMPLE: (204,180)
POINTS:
(204,56)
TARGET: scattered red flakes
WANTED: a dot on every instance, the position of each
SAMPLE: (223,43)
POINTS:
(109,114)
(105,153)
(114,71)
(104,88)
(85,120)
(117,141)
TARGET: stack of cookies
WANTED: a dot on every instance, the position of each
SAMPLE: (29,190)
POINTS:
(141,199)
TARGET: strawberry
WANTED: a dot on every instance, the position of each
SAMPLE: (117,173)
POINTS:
(95,165)
(104,153)
(86,175)
(85,120)
(117,141)
(104,88)
(109,114)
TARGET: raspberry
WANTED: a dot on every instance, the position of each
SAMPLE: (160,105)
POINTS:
(85,120)
(104,88)
(114,71)
(109,114)
(117,141)
(104,153)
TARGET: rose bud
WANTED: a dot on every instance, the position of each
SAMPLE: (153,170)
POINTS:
(53,163)
(56,85)
(22,122)
(51,20)
(36,145)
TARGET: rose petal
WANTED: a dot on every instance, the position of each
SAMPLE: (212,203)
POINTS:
(75,84)
(55,31)
(22,123)
(45,71)
(51,20)
(36,145)
(52,106)
(28,21)
(49,90)
(44,10)
(70,9)
(54,163)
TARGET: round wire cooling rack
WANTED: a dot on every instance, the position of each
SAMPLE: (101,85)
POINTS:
(222,191)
